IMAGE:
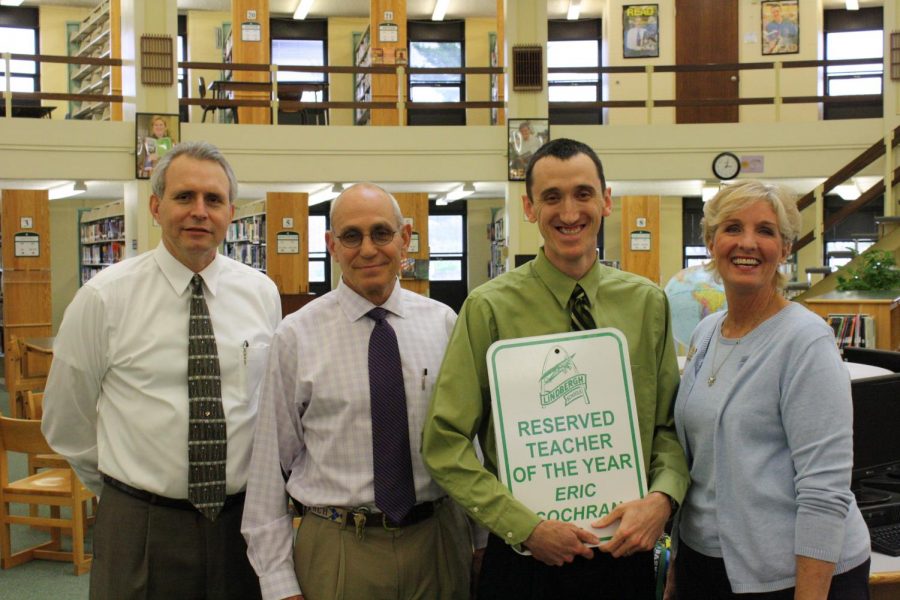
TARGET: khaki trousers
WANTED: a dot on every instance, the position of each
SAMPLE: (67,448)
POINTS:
(430,560)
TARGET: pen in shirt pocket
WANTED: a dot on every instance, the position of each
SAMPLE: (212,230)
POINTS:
(424,375)
(245,346)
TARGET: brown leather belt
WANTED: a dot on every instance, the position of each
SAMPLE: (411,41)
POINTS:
(362,515)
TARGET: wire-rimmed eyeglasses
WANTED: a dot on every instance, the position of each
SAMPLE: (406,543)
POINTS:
(353,238)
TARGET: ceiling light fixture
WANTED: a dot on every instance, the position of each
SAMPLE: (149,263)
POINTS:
(303,9)
(461,191)
(574,10)
(67,190)
(11,2)
(852,4)
(329,192)
(440,9)
(709,190)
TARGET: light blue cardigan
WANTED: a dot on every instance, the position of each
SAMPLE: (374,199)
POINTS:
(784,452)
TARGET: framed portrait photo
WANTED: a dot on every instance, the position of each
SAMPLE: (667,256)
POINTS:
(640,30)
(155,134)
(525,137)
(780,26)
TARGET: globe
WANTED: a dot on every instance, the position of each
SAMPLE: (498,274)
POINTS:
(693,294)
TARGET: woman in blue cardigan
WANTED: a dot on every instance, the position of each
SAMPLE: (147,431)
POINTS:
(765,417)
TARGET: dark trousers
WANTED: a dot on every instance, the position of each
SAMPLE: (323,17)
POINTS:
(507,574)
(147,551)
(702,577)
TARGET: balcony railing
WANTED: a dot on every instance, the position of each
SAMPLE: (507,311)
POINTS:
(273,102)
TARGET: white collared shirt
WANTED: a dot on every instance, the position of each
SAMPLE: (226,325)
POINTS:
(116,400)
(315,417)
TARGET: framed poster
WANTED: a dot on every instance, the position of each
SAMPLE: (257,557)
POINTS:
(640,31)
(525,137)
(780,26)
(155,134)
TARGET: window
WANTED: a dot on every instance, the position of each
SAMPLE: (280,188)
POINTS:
(301,43)
(446,240)
(319,263)
(574,44)
(857,232)
(693,249)
(19,35)
(433,45)
(851,35)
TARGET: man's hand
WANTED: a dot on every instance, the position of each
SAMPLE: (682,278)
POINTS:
(555,543)
(642,522)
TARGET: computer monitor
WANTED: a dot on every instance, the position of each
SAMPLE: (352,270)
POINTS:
(885,359)
(876,425)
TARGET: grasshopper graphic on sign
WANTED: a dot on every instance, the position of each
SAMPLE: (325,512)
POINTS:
(568,441)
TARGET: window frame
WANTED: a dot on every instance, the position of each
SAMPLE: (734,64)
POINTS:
(460,209)
(321,287)
(562,30)
(307,29)
(23,17)
(839,21)
(692,232)
(453,31)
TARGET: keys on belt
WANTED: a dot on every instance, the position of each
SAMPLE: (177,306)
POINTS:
(362,517)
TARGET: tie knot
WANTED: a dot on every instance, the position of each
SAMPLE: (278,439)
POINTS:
(579,296)
(197,283)
(377,314)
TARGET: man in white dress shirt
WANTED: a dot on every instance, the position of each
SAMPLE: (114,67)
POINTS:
(316,428)
(116,402)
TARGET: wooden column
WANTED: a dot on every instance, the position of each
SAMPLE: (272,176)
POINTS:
(255,52)
(415,207)
(287,213)
(24,220)
(384,87)
(640,236)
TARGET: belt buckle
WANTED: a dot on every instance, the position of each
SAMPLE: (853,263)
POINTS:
(386,524)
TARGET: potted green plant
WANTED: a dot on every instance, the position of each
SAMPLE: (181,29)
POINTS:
(878,271)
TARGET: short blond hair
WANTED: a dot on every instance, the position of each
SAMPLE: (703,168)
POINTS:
(736,197)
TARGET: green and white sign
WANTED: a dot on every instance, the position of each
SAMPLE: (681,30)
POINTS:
(568,441)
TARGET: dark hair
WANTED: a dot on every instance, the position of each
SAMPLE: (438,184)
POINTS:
(563,149)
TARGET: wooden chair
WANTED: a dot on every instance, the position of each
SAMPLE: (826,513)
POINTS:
(56,488)
(18,380)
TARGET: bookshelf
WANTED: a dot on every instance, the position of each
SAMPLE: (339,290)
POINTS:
(94,37)
(883,307)
(362,81)
(499,249)
(271,235)
(101,238)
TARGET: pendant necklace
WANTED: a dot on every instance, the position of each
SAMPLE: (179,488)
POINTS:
(715,369)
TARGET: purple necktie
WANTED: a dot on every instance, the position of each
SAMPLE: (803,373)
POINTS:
(395,492)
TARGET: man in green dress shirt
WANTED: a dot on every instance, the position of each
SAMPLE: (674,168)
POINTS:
(567,197)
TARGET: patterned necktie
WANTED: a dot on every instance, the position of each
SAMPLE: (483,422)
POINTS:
(207,444)
(395,492)
(580,308)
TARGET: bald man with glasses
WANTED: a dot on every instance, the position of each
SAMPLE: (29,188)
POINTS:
(341,413)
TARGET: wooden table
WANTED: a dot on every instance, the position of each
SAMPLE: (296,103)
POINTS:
(884,577)
(28,111)
(290,91)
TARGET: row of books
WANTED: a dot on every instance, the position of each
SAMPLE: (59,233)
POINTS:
(106,229)
(853,330)
(102,254)
(253,255)
(250,229)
